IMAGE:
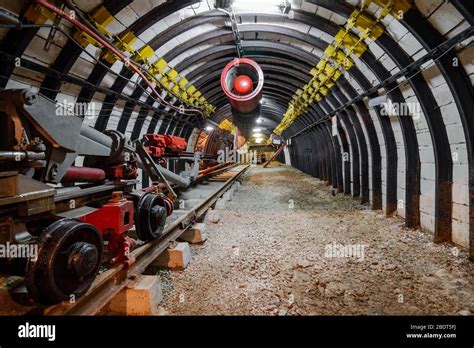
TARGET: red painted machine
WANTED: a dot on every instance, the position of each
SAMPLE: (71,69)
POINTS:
(160,145)
(73,213)
(113,220)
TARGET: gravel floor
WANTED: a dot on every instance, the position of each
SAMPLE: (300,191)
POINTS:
(268,255)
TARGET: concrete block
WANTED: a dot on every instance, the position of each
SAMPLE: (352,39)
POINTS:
(141,7)
(175,258)
(459,152)
(326,37)
(139,298)
(305,6)
(354,84)
(455,134)
(461,174)
(173,18)
(396,30)
(401,179)
(426,154)
(427,7)
(147,35)
(424,140)
(427,187)
(196,234)
(461,213)
(376,50)
(367,72)
(427,204)
(428,171)
(126,16)
(410,44)
(433,76)
(442,94)
(213,216)
(445,18)
(427,222)
(460,193)
(460,233)
(401,197)
(465,57)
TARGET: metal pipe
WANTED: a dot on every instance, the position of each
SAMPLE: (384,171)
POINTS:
(114,50)
(7,17)
(174,178)
(247,102)
(21,155)
(84,174)
(242,82)
(95,135)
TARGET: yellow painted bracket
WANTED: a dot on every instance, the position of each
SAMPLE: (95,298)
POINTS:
(352,42)
(159,67)
(123,42)
(169,78)
(183,83)
(365,23)
(38,14)
(101,19)
(227,125)
(325,74)
(143,54)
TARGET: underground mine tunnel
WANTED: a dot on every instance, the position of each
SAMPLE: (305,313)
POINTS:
(268,158)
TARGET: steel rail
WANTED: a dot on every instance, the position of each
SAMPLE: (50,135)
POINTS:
(112,281)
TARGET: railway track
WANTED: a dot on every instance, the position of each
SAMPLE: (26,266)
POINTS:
(109,283)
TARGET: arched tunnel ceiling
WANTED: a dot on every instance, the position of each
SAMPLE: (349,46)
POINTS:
(421,56)
(197,40)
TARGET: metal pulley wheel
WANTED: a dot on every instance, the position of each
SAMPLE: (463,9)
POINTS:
(151,216)
(168,204)
(69,256)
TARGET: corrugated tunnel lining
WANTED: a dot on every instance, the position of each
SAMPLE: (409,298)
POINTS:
(287,68)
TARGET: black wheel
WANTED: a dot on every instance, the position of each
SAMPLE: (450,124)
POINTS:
(150,217)
(69,256)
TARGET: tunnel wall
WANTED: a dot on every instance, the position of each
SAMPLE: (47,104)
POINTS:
(447,21)
(418,167)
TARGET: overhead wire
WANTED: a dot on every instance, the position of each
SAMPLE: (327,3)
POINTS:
(152,109)
(135,67)
(407,77)
(422,69)
(135,84)
(128,62)
(28,26)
